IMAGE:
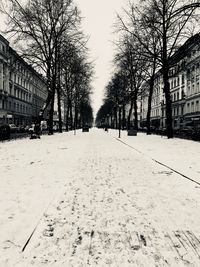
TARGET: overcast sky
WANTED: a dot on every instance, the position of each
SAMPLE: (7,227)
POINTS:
(99,16)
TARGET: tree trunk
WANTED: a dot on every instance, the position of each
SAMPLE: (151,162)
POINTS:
(52,106)
(67,117)
(120,122)
(49,95)
(59,91)
(165,69)
(123,117)
(75,118)
(167,88)
(135,114)
(71,116)
(111,121)
(151,85)
(59,108)
(168,103)
(129,115)
(116,119)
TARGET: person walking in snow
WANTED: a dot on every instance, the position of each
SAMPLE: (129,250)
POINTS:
(37,129)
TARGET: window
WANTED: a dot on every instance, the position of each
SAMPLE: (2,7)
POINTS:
(197,106)
(189,93)
(182,110)
(192,107)
(182,94)
(193,89)
(197,89)
(188,107)
(183,79)
(10,89)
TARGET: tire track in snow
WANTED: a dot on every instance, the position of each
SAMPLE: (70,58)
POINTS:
(38,222)
(159,162)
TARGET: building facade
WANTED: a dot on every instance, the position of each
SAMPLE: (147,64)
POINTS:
(23,91)
(184,87)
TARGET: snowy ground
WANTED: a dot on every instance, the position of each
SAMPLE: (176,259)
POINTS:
(91,200)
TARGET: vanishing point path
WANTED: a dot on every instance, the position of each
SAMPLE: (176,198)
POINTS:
(90,200)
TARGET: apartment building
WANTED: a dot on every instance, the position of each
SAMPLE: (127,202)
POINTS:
(22,90)
(184,86)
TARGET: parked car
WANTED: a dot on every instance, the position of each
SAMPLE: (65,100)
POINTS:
(185,132)
(13,128)
(4,132)
(196,134)
(21,129)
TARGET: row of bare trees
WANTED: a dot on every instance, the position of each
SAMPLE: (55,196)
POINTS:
(149,34)
(48,36)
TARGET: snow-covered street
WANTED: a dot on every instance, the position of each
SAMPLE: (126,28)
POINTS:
(91,199)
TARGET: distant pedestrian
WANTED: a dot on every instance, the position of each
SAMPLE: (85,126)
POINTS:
(37,129)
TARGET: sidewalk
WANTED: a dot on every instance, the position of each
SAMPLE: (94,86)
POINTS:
(179,154)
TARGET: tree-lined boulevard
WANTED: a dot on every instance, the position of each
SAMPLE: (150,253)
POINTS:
(147,38)
(83,189)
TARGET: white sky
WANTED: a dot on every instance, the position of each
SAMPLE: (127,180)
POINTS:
(99,16)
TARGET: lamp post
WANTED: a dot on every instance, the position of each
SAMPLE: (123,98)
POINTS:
(120,106)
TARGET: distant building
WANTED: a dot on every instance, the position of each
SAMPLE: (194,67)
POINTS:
(23,91)
(184,86)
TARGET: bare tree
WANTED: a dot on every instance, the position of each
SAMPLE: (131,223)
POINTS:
(131,60)
(169,21)
(42,23)
(77,73)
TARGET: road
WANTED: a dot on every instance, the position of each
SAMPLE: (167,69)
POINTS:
(105,205)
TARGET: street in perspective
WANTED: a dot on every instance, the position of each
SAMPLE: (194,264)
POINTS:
(101,201)
(99,133)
